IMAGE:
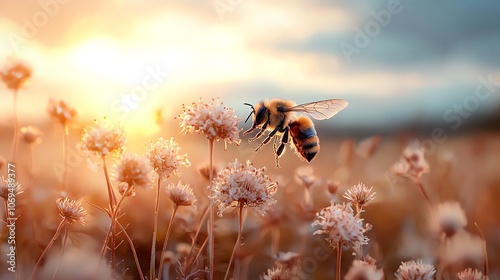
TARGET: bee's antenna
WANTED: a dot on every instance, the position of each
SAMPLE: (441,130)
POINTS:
(253,111)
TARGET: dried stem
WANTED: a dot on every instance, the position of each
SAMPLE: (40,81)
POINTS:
(275,237)
(424,192)
(111,231)
(111,193)
(15,139)
(65,156)
(134,253)
(339,260)
(211,239)
(189,262)
(237,244)
(485,266)
(169,229)
(58,231)
(155,232)
(65,238)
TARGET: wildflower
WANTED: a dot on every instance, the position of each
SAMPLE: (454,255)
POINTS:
(367,147)
(183,249)
(31,135)
(211,119)
(134,170)
(449,218)
(7,187)
(364,270)
(279,273)
(15,74)
(415,270)
(332,186)
(165,159)
(204,171)
(71,211)
(340,224)
(60,111)
(288,259)
(181,194)
(103,139)
(469,274)
(360,195)
(238,183)
(412,163)
(463,248)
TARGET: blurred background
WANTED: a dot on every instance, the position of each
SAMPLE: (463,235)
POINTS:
(409,69)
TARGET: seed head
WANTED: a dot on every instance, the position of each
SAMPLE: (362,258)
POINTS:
(363,270)
(360,194)
(340,224)
(31,135)
(238,183)
(124,190)
(72,211)
(60,111)
(102,139)
(463,248)
(469,274)
(415,270)
(165,159)
(9,186)
(134,170)
(15,74)
(211,119)
(181,194)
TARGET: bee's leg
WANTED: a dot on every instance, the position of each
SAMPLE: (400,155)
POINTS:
(284,140)
(262,129)
(268,138)
(276,156)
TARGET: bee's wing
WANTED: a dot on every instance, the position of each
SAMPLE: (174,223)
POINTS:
(321,110)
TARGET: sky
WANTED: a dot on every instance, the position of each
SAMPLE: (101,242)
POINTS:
(393,61)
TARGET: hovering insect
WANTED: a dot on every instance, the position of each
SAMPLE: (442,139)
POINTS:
(280,116)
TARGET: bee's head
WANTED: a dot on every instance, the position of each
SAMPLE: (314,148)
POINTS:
(259,112)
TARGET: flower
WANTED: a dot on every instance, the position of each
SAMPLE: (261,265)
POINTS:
(31,135)
(463,248)
(15,74)
(211,119)
(449,218)
(204,171)
(412,163)
(238,183)
(134,170)
(72,211)
(364,270)
(280,273)
(165,159)
(181,194)
(360,194)
(469,274)
(415,270)
(288,259)
(124,190)
(60,111)
(103,139)
(340,224)
(7,187)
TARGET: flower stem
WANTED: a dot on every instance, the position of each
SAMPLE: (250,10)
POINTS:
(65,156)
(58,231)
(134,253)
(237,244)
(485,265)
(155,232)
(202,221)
(211,239)
(15,139)
(111,194)
(424,192)
(169,229)
(339,260)
(111,231)
(65,237)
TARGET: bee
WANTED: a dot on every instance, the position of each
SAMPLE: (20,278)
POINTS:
(280,117)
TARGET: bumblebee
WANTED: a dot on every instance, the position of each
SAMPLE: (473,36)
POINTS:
(281,117)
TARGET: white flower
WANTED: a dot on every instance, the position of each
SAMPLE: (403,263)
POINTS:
(449,218)
(363,270)
(165,159)
(413,270)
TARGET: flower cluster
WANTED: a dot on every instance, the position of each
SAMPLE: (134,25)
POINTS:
(412,163)
(364,270)
(415,270)
(72,211)
(238,183)
(31,135)
(470,274)
(103,139)
(5,189)
(134,170)
(360,195)
(340,224)
(449,218)
(165,159)
(15,74)
(211,119)
(60,111)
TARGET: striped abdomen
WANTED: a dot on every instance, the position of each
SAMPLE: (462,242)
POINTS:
(304,137)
